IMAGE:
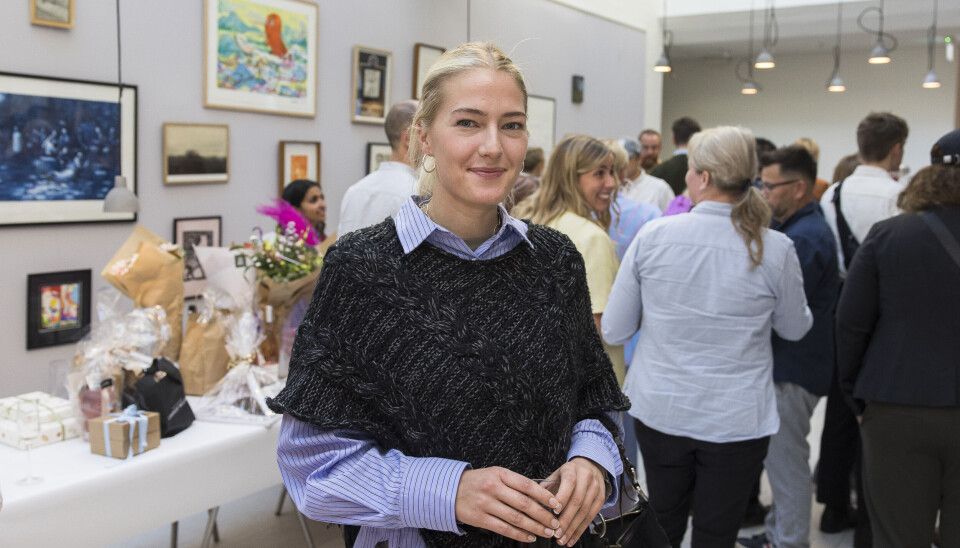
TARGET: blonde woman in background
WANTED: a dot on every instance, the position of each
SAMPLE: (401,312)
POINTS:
(707,287)
(576,193)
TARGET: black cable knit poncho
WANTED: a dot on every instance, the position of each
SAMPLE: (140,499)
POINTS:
(489,362)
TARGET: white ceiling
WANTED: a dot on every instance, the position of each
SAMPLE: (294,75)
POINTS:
(811,28)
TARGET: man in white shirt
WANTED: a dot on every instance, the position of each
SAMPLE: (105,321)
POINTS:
(637,184)
(867,196)
(380,194)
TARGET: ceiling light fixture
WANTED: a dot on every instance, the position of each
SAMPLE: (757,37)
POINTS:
(880,54)
(771,34)
(835,84)
(663,63)
(120,199)
(750,87)
(931,81)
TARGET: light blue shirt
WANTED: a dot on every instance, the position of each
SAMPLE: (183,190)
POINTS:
(342,476)
(704,365)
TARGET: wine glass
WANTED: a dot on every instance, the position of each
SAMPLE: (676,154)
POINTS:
(28,425)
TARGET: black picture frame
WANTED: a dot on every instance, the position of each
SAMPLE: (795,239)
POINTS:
(64,141)
(576,90)
(375,154)
(53,317)
(188,231)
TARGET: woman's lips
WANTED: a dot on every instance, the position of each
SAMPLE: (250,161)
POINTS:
(488,172)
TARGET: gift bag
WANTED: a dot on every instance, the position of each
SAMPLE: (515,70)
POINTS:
(203,355)
(283,296)
(160,389)
(149,270)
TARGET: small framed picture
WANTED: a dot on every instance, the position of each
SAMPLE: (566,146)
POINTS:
(542,122)
(370,98)
(58,308)
(52,13)
(376,153)
(424,56)
(191,232)
(299,160)
(196,153)
(577,89)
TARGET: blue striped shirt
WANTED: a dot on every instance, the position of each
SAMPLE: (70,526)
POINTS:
(342,476)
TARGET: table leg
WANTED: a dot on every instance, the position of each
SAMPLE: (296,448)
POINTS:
(306,530)
(173,533)
(216,532)
(283,496)
(211,523)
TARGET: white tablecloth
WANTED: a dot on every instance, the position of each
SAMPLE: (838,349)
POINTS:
(91,500)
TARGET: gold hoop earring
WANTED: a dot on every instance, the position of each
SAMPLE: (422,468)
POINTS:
(424,163)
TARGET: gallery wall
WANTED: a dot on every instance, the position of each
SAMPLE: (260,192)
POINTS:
(162,55)
(794,101)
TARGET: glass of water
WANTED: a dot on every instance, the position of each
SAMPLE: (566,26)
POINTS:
(28,426)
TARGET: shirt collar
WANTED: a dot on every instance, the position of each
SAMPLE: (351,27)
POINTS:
(414,226)
(679,151)
(712,208)
(872,171)
(802,212)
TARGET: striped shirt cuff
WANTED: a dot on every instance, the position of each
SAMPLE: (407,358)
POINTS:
(595,447)
(430,494)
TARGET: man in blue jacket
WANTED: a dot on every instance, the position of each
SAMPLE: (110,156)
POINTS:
(801,369)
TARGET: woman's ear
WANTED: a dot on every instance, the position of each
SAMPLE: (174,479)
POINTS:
(705,177)
(424,139)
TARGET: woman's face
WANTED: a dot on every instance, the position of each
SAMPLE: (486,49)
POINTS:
(478,138)
(597,185)
(313,208)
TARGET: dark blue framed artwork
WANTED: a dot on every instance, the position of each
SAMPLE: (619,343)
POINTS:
(62,142)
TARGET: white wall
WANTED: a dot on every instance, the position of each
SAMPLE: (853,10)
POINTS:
(162,55)
(794,102)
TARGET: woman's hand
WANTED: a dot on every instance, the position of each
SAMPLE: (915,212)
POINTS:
(582,493)
(506,503)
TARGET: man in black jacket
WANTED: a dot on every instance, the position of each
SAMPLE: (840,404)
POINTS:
(674,170)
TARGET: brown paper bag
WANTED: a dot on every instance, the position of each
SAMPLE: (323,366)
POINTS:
(203,356)
(282,296)
(154,279)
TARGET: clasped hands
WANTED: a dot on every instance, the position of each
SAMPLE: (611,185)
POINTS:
(519,508)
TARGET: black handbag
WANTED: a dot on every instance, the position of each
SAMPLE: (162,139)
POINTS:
(637,525)
(161,390)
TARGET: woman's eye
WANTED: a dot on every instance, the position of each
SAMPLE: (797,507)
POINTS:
(514,126)
(466,123)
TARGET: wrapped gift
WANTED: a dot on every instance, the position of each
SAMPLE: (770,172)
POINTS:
(121,435)
(50,432)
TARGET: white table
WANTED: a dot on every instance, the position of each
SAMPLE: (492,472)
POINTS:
(91,500)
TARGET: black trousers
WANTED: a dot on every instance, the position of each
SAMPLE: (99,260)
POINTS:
(911,468)
(840,456)
(714,479)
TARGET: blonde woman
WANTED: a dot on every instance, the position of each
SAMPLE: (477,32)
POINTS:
(575,197)
(449,356)
(707,287)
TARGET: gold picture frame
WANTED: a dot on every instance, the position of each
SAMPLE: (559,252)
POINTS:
(424,56)
(195,153)
(372,76)
(52,13)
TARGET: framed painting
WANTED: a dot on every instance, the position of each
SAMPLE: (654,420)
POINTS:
(261,56)
(52,13)
(542,122)
(61,144)
(370,98)
(196,153)
(58,307)
(424,56)
(298,160)
(376,153)
(190,232)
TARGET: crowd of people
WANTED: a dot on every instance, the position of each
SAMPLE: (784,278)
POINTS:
(490,316)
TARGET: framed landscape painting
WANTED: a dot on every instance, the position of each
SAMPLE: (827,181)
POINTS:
(62,142)
(58,307)
(196,153)
(261,55)
(372,73)
(52,13)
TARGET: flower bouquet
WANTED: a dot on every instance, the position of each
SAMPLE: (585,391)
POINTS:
(149,270)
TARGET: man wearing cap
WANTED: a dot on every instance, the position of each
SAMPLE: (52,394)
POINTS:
(638,185)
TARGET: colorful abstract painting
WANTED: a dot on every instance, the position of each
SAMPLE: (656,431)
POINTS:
(261,55)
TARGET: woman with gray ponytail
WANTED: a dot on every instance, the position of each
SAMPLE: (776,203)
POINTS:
(707,287)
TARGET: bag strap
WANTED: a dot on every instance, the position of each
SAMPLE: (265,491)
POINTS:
(848,242)
(629,470)
(943,234)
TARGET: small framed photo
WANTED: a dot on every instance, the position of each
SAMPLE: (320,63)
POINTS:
(542,122)
(424,56)
(372,73)
(58,308)
(191,232)
(299,160)
(576,94)
(376,153)
(52,13)
(196,153)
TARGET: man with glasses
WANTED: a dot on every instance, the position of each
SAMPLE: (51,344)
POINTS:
(802,369)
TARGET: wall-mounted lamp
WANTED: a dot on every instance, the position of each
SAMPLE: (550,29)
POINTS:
(120,199)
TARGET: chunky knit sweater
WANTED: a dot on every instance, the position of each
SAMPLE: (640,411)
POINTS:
(488,362)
